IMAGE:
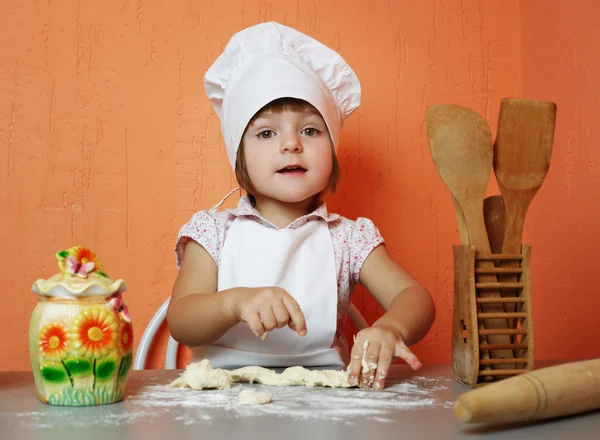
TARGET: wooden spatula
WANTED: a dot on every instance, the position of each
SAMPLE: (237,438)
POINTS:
(522,154)
(461,146)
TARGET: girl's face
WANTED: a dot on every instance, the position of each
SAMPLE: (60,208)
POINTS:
(288,154)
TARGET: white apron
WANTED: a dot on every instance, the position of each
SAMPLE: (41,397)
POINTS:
(301,261)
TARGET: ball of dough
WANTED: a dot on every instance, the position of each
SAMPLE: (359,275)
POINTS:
(250,397)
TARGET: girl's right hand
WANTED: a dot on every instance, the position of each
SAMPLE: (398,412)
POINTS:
(267,308)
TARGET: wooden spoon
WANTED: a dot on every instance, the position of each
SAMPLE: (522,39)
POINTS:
(461,146)
(462,223)
(494,217)
(522,154)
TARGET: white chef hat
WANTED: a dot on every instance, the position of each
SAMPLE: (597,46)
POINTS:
(270,61)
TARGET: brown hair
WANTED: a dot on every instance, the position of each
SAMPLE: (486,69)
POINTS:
(279,106)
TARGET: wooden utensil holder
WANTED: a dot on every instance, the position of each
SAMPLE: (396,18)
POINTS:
(472,355)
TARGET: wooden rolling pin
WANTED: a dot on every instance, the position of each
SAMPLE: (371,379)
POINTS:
(549,392)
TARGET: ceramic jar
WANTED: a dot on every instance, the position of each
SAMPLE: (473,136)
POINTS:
(80,334)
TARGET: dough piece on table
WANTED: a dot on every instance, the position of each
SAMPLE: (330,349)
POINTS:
(258,375)
(179,382)
(292,376)
(316,378)
(249,397)
(201,375)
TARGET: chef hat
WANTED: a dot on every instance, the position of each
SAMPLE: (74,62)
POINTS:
(270,61)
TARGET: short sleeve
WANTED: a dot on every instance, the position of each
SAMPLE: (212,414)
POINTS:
(363,239)
(204,229)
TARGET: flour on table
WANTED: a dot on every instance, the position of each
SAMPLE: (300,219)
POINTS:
(202,375)
(250,397)
(345,405)
(183,406)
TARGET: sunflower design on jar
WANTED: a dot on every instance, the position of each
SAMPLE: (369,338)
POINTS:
(95,332)
(53,341)
(125,338)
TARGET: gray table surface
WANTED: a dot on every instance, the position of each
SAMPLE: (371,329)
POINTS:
(415,405)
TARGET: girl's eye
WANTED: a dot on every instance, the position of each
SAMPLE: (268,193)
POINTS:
(310,131)
(266,134)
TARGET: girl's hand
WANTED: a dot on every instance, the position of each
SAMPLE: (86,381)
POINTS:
(267,308)
(369,369)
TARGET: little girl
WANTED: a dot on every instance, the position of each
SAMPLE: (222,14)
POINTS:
(268,282)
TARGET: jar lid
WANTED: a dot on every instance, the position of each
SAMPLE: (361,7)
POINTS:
(81,274)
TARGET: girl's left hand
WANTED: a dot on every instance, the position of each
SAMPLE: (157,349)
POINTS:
(385,344)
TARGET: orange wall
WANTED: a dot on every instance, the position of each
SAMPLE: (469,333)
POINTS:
(560,62)
(107,139)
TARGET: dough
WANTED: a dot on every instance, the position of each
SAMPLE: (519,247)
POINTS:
(249,397)
(367,367)
(292,376)
(258,375)
(201,375)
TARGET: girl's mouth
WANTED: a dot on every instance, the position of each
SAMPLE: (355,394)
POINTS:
(292,170)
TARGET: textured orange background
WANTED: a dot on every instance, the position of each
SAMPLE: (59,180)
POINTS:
(107,140)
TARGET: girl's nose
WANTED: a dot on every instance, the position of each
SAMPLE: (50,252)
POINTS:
(291,143)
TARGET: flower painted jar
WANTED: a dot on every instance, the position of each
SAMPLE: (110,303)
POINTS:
(80,334)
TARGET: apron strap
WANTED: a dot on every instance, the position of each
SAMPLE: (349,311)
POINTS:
(218,205)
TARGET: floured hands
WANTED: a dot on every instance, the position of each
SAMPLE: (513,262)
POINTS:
(372,354)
